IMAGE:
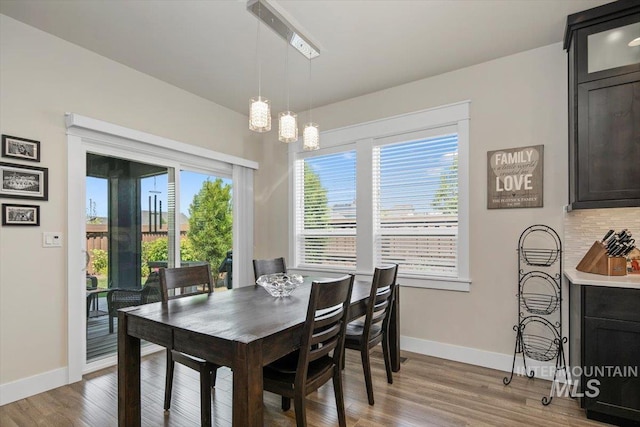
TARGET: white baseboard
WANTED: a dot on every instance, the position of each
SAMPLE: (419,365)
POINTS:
(25,387)
(474,356)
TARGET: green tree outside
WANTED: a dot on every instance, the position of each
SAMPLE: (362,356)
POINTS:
(316,213)
(210,222)
(446,197)
(316,203)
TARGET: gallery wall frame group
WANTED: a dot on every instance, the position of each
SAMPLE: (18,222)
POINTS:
(21,181)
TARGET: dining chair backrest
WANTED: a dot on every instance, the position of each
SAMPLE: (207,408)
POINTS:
(184,277)
(268,266)
(380,299)
(324,328)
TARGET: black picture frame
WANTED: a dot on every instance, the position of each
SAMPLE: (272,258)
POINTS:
(23,182)
(20,148)
(20,215)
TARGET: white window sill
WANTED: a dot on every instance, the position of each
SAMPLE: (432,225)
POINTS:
(447,284)
(442,283)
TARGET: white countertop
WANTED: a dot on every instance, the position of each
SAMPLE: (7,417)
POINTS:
(576,277)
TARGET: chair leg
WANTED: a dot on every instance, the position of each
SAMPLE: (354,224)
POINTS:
(214,372)
(299,407)
(205,398)
(337,387)
(286,403)
(366,367)
(110,323)
(387,358)
(168,381)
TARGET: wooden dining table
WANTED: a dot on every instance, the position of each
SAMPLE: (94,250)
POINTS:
(244,328)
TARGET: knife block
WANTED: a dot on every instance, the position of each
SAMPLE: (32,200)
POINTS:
(597,261)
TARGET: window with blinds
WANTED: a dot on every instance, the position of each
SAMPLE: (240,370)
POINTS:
(326,210)
(415,205)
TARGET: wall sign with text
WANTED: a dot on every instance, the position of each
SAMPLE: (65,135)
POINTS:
(514,177)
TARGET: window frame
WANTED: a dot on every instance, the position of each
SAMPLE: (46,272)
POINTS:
(294,256)
(364,136)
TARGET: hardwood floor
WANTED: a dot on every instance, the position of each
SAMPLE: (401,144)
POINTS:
(426,392)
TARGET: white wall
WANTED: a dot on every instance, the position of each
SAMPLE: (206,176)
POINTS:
(41,78)
(516,101)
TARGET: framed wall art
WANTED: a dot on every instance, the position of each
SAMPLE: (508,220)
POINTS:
(20,148)
(21,215)
(23,182)
(514,177)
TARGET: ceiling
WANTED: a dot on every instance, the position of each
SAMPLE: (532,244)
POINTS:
(209,47)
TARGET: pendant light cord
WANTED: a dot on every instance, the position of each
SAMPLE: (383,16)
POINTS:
(310,93)
(286,72)
(257,50)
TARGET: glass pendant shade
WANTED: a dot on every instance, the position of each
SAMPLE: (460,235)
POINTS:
(288,129)
(260,115)
(311,137)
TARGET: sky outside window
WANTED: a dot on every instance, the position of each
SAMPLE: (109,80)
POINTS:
(190,183)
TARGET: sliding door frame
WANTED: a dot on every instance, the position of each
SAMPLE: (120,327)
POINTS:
(86,135)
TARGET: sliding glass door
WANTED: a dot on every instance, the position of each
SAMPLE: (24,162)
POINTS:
(131,234)
(138,203)
(128,223)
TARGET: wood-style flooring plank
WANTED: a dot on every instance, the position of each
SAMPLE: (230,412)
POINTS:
(426,392)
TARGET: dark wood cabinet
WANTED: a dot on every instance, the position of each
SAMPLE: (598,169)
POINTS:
(611,348)
(604,106)
(605,344)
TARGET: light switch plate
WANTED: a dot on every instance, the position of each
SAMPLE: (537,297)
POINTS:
(52,239)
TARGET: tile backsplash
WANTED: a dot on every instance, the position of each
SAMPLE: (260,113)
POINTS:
(583,227)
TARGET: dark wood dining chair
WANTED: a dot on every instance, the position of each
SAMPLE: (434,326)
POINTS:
(305,370)
(268,266)
(185,279)
(364,335)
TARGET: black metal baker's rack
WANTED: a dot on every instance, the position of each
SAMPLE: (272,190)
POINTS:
(539,329)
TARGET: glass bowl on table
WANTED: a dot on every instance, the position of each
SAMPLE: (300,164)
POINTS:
(280,285)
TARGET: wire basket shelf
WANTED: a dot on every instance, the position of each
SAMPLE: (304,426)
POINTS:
(539,327)
(542,304)
(539,246)
(539,338)
(539,348)
(539,257)
(539,293)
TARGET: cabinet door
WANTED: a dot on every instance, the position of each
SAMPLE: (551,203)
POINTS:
(610,344)
(603,49)
(609,141)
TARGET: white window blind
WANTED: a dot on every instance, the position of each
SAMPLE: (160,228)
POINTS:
(415,204)
(326,210)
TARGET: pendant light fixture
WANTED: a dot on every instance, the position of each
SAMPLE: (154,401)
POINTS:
(311,133)
(260,108)
(288,120)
